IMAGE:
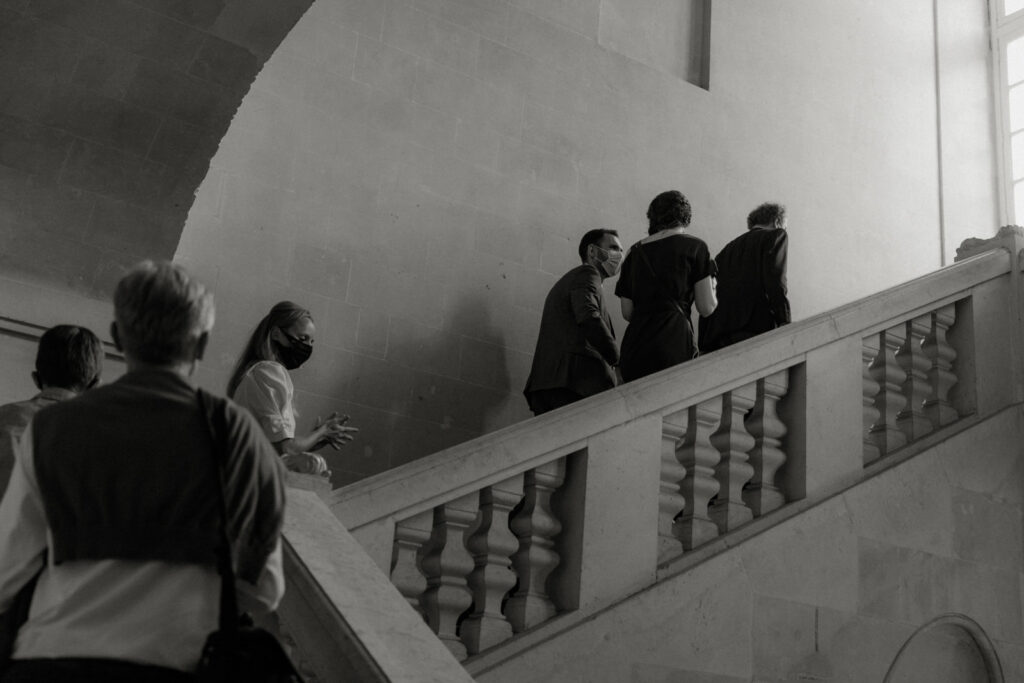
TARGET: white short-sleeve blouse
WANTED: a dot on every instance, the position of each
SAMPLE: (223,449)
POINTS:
(266,390)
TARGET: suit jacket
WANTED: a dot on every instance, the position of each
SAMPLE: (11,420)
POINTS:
(751,289)
(576,343)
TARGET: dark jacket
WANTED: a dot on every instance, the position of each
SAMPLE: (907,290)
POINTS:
(576,343)
(751,289)
(128,471)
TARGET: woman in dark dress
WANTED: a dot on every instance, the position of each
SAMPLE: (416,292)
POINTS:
(662,276)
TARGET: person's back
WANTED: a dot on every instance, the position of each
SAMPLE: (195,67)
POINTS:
(114,501)
(576,348)
(663,276)
(752,292)
(69,360)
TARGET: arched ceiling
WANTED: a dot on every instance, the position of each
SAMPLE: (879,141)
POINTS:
(110,111)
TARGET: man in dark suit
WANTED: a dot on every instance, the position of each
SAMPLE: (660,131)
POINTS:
(576,344)
(751,282)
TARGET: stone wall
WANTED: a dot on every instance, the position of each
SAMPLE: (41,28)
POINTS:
(418,173)
(109,114)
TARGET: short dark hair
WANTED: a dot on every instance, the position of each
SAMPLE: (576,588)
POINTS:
(766,214)
(668,210)
(69,357)
(593,237)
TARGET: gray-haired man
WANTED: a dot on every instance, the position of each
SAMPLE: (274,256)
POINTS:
(114,496)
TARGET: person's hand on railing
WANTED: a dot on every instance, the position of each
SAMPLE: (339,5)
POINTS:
(306,463)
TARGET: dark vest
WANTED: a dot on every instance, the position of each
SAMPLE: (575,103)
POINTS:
(127,471)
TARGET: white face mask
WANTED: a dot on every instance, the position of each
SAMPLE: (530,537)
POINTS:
(609,261)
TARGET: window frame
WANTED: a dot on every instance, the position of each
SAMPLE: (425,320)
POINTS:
(1005,30)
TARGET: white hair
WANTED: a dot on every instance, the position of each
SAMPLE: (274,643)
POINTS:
(161,311)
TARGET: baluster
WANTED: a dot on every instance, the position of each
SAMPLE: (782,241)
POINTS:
(492,545)
(447,563)
(762,493)
(940,373)
(733,471)
(411,535)
(890,401)
(699,458)
(912,420)
(536,527)
(670,496)
(870,391)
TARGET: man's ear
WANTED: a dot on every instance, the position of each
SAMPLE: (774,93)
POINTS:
(116,337)
(35,380)
(201,343)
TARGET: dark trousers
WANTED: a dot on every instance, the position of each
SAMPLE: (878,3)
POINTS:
(74,670)
(546,400)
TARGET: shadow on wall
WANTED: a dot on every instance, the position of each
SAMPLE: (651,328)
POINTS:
(111,114)
(430,387)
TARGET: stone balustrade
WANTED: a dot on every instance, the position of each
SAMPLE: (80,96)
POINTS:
(522,529)
(907,381)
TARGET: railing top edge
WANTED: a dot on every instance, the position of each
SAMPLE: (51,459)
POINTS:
(493,457)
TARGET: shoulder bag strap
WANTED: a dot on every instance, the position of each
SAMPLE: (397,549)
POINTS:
(225,565)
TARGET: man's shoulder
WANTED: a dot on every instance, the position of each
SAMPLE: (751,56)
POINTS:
(579,276)
(583,274)
(748,240)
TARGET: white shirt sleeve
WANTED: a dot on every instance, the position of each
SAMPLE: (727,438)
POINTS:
(22,525)
(266,391)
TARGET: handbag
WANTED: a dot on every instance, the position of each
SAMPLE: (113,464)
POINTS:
(237,650)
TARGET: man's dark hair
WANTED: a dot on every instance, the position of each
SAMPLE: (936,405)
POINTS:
(668,210)
(766,214)
(593,237)
(69,357)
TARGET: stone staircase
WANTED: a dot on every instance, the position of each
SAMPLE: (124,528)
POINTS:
(503,552)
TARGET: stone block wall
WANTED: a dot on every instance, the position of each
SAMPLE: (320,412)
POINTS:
(109,115)
(418,173)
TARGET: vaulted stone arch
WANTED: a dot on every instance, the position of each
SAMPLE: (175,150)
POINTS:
(110,111)
(952,648)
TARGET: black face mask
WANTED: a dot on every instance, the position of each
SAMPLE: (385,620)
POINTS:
(295,355)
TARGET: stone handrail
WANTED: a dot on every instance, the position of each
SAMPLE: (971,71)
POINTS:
(579,507)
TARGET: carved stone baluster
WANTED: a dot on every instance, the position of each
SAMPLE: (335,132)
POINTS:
(870,391)
(411,536)
(912,420)
(492,545)
(447,563)
(536,527)
(940,373)
(890,401)
(762,493)
(733,471)
(670,496)
(699,458)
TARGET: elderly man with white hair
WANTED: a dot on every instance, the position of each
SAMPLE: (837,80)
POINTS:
(114,504)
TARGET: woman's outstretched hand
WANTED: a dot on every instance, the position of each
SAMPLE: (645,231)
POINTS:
(333,431)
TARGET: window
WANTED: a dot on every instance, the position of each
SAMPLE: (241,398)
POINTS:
(1008,41)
